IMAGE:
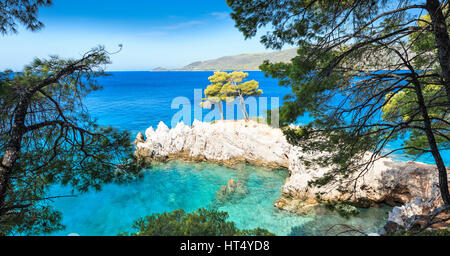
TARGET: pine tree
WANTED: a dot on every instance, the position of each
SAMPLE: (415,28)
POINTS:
(228,87)
(369,72)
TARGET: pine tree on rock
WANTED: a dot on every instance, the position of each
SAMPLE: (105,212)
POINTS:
(228,87)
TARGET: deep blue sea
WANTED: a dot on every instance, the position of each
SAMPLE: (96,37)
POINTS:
(137,100)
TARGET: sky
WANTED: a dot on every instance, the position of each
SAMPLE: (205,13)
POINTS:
(154,33)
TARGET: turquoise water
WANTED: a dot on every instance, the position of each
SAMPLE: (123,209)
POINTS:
(136,100)
(190,186)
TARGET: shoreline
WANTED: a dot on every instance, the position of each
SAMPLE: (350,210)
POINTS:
(236,141)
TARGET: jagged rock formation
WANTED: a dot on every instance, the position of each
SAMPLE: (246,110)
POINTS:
(388,181)
(229,142)
(419,214)
(226,142)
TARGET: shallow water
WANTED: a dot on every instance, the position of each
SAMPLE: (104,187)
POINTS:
(190,186)
(136,100)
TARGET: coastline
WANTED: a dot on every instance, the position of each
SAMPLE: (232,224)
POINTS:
(410,187)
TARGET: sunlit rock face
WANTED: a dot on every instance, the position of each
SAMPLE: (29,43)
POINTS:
(386,181)
(418,206)
(222,141)
(229,142)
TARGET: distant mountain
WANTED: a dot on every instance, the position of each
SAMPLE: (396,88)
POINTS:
(160,69)
(247,62)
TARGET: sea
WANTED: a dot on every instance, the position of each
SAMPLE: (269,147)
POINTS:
(134,101)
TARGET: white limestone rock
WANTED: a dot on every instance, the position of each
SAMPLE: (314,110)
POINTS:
(419,206)
(223,140)
(387,181)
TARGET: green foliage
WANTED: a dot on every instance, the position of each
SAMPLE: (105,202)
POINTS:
(402,106)
(360,69)
(202,222)
(269,114)
(296,21)
(227,86)
(424,41)
(61,143)
(22,11)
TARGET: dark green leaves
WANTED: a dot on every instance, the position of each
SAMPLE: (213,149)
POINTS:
(60,143)
(355,61)
(202,222)
(23,12)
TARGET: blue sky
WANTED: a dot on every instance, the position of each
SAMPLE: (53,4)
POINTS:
(170,33)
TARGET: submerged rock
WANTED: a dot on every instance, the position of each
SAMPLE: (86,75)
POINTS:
(231,192)
(346,210)
(230,142)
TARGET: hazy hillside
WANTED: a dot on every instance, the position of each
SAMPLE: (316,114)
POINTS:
(246,62)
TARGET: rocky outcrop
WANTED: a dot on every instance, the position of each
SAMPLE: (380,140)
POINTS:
(386,181)
(224,141)
(418,206)
(418,214)
(229,142)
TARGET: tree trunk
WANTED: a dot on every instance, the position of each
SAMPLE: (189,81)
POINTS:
(443,181)
(9,158)
(438,22)
(244,109)
(13,149)
(221,109)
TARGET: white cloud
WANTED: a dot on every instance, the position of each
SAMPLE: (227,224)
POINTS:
(152,34)
(184,25)
(220,15)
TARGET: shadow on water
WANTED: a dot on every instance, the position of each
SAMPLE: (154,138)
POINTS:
(329,223)
(248,200)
